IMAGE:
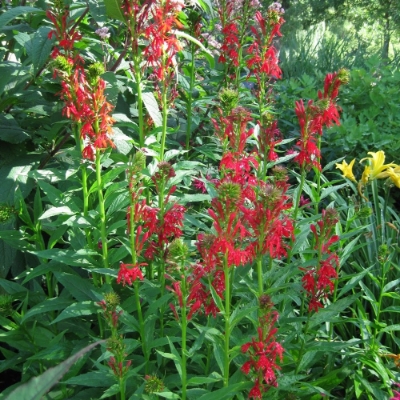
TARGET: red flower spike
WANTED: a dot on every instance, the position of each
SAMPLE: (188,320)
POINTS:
(129,275)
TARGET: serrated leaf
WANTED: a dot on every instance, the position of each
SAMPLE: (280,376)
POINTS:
(152,108)
(37,387)
(15,12)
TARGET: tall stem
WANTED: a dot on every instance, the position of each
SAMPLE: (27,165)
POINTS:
(184,333)
(102,211)
(227,319)
(189,101)
(138,79)
(164,120)
(260,276)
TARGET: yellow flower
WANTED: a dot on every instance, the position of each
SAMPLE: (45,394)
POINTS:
(347,169)
(365,175)
(393,174)
(377,165)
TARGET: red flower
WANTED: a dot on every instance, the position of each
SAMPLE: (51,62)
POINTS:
(129,275)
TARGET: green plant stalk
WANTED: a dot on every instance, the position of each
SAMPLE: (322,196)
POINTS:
(379,305)
(227,319)
(102,211)
(189,101)
(138,79)
(122,388)
(131,23)
(141,327)
(184,338)
(85,192)
(164,113)
(301,352)
(296,208)
(136,284)
(298,195)
(318,177)
(260,275)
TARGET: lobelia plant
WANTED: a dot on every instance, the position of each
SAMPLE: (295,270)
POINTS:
(247,289)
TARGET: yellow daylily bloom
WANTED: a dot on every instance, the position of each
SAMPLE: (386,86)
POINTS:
(377,164)
(347,169)
(366,174)
(393,174)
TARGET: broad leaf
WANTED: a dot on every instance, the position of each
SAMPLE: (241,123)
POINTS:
(37,387)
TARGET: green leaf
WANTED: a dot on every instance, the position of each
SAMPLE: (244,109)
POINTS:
(200,380)
(217,299)
(37,387)
(15,12)
(10,131)
(41,47)
(78,310)
(228,392)
(325,314)
(193,198)
(57,303)
(93,379)
(391,328)
(238,314)
(51,212)
(16,175)
(167,395)
(121,141)
(81,289)
(152,108)
(331,189)
(113,9)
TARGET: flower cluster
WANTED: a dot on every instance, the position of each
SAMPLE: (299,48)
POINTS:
(375,169)
(313,117)
(162,42)
(83,91)
(263,59)
(263,351)
(115,345)
(152,228)
(317,281)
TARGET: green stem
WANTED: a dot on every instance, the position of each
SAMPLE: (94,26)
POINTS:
(301,352)
(122,388)
(141,327)
(184,333)
(298,196)
(260,276)
(138,79)
(227,319)
(189,101)
(164,120)
(102,211)
(318,178)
